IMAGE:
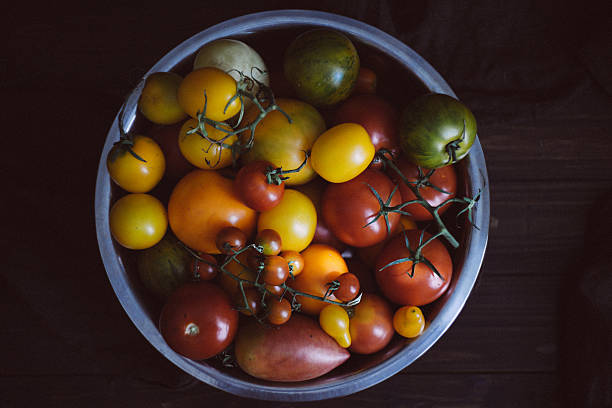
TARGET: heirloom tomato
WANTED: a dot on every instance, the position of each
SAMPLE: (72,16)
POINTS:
(294,218)
(201,152)
(255,188)
(211,88)
(201,204)
(284,142)
(138,221)
(408,321)
(376,115)
(342,152)
(322,66)
(351,209)
(435,187)
(334,321)
(158,100)
(436,130)
(198,320)
(136,174)
(322,265)
(371,325)
(404,285)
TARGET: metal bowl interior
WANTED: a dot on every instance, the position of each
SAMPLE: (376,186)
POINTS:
(359,372)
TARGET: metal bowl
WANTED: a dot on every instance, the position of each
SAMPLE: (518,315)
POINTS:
(359,372)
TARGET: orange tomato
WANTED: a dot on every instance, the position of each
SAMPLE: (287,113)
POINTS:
(322,265)
(201,204)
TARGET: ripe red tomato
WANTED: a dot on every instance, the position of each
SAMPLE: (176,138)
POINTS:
(443,178)
(424,286)
(254,188)
(198,320)
(348,207)
(376,115)
(371,325)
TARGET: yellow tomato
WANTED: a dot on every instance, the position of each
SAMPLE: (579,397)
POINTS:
(294,218)
(334,321)
(322,265)
(342,152)
(219,89)
(408,321)
(158,101)
(202,153)
(138,221)
(283,143)
(132,174)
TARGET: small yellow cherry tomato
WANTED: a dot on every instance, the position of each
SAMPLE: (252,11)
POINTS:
(158,101)
(408,321)
(132,174)
(295,261)
(202,153)
(138,221)
(294,218)
(342,152)
(334,321)
(219,88)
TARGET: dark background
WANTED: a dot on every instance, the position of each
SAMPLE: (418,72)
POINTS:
(536,329)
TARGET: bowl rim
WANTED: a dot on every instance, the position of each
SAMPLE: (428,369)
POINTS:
(476,241)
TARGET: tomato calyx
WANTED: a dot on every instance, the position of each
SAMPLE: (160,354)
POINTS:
(416,257)
(276,175)
(452,147)
(125,142)
(386,208)
(423,181)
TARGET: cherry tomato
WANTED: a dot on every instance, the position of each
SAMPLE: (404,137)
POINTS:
(322,264)
(131,173)
(402,284)
(239,269)
(350,209)
(342,152)
(219,88)
(230,240)
(276,270)
(408,321)
(366,81)
(334,321)
(252,307)
(371,325)
(158,101)
(377,116)
(201,204)
(270,241)
(206,269)
(349,287)
(294,218)
(138,221)
(198,320)
(443,178)
(283,142)
(277,291)
(202,153)
(254,188)
(279,311)
(295,260)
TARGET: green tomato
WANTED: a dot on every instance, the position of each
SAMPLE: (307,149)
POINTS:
(164,267)
(436,130)
(322,66)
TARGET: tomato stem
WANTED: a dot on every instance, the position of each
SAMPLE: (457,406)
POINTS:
(276,175)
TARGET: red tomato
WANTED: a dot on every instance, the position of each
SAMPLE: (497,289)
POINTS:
(371,325)
(376,115)
(444,178)
(348,207)
(254,188)
(198,320)
(424,286)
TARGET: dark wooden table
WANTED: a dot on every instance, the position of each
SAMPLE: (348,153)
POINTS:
(536,75)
